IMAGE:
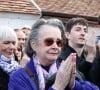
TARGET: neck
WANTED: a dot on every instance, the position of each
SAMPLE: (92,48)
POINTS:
(77,48)
(4,58)
(42,61)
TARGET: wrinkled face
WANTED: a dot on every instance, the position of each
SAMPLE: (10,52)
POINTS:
(78,35)
(8,47)
(46,48)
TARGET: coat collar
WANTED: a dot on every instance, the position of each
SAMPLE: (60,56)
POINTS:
(31,66)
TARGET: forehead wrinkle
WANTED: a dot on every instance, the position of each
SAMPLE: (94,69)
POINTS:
(49,31)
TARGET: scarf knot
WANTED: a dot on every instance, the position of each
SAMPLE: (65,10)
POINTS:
(42,73)
(8,64)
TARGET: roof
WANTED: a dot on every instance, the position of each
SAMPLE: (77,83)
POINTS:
(18,6)
(66,9)
(57,8)
(79,7)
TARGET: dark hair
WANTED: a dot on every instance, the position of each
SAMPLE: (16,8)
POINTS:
(36,28)
(75,21)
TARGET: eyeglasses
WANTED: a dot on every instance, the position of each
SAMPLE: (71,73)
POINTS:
(50,41)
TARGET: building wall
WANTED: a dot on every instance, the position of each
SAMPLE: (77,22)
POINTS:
(97,30)
(16,20)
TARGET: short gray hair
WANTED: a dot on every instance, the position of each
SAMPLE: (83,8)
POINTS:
(34,34)
(7,32)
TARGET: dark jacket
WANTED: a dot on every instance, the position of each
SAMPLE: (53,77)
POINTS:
(23,80)
(4,79)
(82,65)
(91,71)
(95,72)
(20,80)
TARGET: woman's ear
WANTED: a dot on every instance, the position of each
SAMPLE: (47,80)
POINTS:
(67,35)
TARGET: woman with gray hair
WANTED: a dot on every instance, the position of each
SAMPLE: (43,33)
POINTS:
(8,43)
(44,45)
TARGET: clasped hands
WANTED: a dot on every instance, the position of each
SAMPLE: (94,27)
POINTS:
(66,73)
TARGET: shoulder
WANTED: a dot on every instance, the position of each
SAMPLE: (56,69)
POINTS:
(85,85)
(21,80)
(19,72)
(18,76)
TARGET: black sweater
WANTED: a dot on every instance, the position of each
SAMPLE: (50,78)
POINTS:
(82,65)
(4,79)
(91,71)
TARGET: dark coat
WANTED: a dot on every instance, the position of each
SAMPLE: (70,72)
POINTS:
(4,79)
(82,65)
(91,71)
(95,72)
(24,82)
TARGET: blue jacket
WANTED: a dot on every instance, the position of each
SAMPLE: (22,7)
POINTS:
(20,80)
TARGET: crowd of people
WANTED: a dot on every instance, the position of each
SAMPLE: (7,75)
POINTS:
(50,56)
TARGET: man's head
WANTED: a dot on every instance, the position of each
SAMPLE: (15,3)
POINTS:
(26,30)
(76,31)
(21,37)
(74,21)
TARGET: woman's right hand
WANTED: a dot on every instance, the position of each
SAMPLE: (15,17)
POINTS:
(73,73)
(64,74)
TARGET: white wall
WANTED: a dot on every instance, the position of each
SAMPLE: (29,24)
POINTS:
(16,20)
(97,30)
